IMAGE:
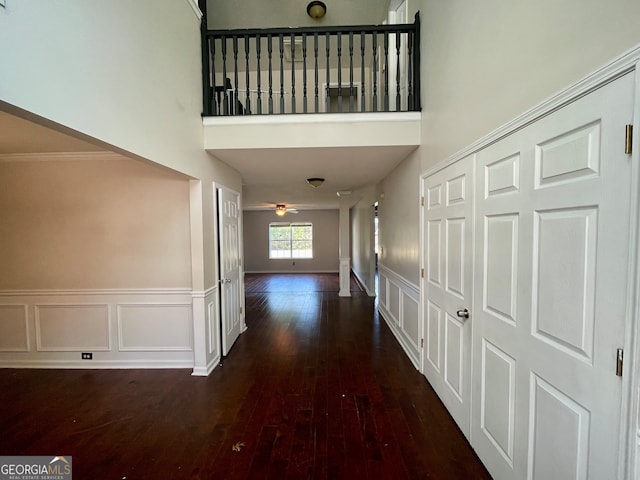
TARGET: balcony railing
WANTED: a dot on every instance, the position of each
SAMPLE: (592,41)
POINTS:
(373,68)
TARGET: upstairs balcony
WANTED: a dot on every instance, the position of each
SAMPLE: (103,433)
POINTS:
(351,69)
(295,93)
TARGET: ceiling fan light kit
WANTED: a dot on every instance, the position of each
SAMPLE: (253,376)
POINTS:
(281,209)
(315,182)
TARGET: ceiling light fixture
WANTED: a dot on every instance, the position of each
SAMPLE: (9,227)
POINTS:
(281,209)
(315,182)
(316,10)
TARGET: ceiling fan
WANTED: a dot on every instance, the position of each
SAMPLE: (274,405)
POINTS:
(281,209)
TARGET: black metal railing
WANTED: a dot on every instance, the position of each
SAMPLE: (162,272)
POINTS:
(373,68)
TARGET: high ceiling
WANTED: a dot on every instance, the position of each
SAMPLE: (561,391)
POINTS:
(269,175)
(230,14)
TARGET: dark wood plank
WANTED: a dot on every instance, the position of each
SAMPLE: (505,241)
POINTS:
(316,388)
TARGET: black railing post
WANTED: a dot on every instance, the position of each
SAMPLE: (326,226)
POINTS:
(247,106)
(398,86)
(207,94)
(225,84)
(386,72)
(315,55)
(363,43)
(258,48)
(293,73)
(351,72)
(328,69)
(304,73)
(281,50)
(376,68)
(270,50)
(417,106)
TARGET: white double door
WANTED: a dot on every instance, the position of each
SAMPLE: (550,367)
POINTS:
(538,396)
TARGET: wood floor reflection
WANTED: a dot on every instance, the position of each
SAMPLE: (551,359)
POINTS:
(316,388)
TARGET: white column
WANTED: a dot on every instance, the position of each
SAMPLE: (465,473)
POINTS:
(344,245)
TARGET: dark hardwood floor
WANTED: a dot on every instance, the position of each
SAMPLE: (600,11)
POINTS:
(316,388)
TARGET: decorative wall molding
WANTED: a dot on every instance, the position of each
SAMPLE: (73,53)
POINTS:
(399,305)
(14,328)
(96,292)
(72,327)
(141,328)
(293,271)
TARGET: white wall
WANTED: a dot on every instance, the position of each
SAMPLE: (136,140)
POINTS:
(363,239)
(325,242)
(484,63)
(398,215)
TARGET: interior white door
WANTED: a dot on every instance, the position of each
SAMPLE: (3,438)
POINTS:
(448,284)
(552,238)
(230,266)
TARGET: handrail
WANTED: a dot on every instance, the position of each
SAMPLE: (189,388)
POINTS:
(259,63)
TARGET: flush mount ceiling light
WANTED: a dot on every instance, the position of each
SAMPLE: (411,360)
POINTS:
(316,10)
(281,209)
(315,182)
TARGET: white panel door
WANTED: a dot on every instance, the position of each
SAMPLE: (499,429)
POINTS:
(447,286)
(552,245)
(230,265)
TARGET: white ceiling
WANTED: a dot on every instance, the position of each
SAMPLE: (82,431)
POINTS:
(278,175)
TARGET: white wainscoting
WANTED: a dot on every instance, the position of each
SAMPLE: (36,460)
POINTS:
(121,328)
(398,303)
(14,328)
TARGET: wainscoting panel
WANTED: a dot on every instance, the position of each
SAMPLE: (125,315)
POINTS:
(398,304)
(14,329)
(119,328)
(72,328)
(158,327)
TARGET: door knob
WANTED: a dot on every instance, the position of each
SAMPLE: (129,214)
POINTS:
(464,313)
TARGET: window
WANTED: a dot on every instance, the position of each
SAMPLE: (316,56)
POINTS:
(290,240)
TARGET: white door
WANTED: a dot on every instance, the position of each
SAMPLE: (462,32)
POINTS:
(447,286)
(230,266)
(552,239)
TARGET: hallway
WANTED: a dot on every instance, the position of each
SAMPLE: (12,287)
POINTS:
(317,387)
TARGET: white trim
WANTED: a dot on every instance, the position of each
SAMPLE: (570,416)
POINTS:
(291,271)
(205,371)
(312,118)
(118,291)
(205,293)
(93,364)
(629,458)
(195,8)
(405,288)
